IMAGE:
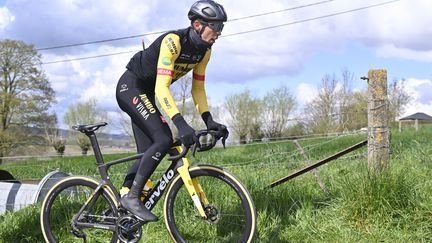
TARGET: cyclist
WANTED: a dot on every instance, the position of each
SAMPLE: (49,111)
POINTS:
(150,72)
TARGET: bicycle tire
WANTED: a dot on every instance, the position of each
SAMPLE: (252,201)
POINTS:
(233,203)
(65,199)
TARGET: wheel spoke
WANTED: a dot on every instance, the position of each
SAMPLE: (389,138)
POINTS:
(230,217)
(62,221)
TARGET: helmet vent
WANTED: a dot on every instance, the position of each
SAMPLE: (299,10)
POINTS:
(209,12)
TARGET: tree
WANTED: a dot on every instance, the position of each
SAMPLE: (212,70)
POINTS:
(245,114)
(278,105)
(337,108)
(344,100)
(356,112)
(323,109)
(25,93)
(256,130)
(84,113)
(398,99)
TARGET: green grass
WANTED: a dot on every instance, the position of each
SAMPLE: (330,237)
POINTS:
(359,207)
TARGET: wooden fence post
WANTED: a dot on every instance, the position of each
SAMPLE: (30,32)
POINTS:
(378,125)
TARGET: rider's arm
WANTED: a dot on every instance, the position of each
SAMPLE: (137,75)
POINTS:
(198,88)
(169,51)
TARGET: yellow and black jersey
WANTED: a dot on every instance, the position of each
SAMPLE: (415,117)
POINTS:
(168,58)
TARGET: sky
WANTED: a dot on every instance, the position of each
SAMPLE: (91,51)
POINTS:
(295,47)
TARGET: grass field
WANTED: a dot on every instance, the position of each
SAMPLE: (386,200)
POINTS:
(359,207)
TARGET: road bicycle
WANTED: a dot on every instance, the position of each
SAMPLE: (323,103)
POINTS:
(203,203)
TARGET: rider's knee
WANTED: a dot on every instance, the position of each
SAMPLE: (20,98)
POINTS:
(165,142)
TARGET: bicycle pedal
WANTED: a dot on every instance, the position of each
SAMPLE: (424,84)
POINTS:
(79,235)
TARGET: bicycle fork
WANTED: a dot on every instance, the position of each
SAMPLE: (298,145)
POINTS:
(192,185)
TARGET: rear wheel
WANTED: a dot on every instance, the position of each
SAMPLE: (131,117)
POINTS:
(231,215)
(64,201)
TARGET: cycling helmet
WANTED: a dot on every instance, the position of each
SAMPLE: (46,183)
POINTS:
(207,10)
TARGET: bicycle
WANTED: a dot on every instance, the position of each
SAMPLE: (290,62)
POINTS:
(202,198)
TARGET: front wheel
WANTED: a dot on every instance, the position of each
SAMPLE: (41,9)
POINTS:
(231,215)
(60,217)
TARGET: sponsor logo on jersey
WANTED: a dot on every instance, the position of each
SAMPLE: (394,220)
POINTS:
(185,56)
(166,61)
(123,88)
(145,107)
(180,69)
(163,71)
(147,103)
(183,67)
(196,58)
(168,105)
(189,57)
(169,42)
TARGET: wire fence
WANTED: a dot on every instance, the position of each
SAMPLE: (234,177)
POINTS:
(284,155)
(43,150)
(271,159)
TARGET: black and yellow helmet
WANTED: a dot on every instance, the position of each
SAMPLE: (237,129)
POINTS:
(207,10)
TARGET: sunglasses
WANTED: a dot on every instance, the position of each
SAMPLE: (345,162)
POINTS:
(215,26)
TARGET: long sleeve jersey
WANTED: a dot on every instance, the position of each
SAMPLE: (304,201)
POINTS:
(168,58)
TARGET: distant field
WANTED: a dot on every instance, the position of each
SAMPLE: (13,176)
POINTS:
(394,207)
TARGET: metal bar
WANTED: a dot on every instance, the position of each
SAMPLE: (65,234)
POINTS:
(317,164)
(118,161)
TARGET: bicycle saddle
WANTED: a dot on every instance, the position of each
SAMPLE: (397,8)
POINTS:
(89,128)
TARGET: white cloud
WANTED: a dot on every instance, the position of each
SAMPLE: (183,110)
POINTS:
(306,93)
(404,25)
(72,21)
(399,30)
(390,51)
(279,50)
(421,92)
(6,18)
(104,83)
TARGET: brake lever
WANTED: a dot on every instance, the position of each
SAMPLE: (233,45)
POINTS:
(194,149)
(224,138)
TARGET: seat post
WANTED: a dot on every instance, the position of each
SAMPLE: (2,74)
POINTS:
(103,170)
(96,148)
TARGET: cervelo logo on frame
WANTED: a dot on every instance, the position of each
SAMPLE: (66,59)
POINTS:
(163,182)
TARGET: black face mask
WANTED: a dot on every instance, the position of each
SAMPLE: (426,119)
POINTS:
(196,40)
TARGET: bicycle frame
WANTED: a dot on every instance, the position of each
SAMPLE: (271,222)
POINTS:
(180,166)
(192,185)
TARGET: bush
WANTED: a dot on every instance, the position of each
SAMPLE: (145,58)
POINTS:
(83,143)
(59,146)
